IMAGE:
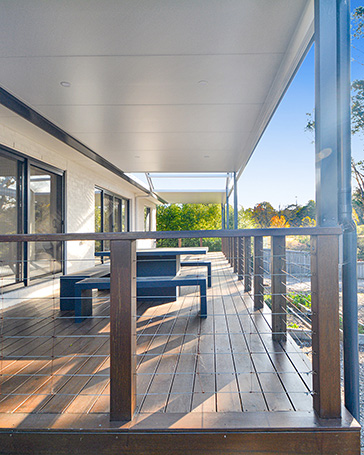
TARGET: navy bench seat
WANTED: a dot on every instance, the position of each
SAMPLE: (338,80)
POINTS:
(83,290)
(68,282)
(198,263)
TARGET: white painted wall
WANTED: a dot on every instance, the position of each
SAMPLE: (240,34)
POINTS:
(142,202)
(81,177)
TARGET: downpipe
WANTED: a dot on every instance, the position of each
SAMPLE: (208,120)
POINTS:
(350,320)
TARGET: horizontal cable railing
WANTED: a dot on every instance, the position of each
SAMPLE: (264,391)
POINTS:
(131,330)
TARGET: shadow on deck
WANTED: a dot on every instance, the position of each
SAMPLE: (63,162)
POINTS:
(215,385)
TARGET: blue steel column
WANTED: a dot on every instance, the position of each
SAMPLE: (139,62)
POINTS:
(349,277)
(223,216)
(333,163)
(227,204)
(235,202)
(326,139)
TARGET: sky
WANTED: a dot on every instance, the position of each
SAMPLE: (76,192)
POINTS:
(284,159)
(282,168)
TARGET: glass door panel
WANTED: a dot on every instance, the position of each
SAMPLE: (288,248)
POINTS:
(108,217)
(44,217)
(98,217)
(10,253)
(118,209)
(125,214)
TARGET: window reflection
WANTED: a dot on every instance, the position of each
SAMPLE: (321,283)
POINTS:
(44,217)
(98,217)
(111,215)
(9,220)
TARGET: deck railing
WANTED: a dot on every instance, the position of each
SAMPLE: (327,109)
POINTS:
(324,280)
(244,250)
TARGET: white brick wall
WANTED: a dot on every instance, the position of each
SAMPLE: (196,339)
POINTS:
(82,175)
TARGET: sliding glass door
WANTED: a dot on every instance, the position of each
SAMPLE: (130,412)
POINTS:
(111,215)
(31,201)
(10,219)
(44,217)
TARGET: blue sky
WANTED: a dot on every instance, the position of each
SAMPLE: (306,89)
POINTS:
(283,167)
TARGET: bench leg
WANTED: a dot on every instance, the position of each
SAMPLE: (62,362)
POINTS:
(83,306)
(67,294)
(209,275)
(203,300)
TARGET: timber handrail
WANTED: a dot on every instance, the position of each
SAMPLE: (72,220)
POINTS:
(247,262)
(155,235)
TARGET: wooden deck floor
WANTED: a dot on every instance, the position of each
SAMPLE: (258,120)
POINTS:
(225,363)
(55,373)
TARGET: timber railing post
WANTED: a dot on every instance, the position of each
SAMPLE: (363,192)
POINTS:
(122,329)
(325,326)
(230,251)
(247,264)
(240,258)
(279,303)
(258,273)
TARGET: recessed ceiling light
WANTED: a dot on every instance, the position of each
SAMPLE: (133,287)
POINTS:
(65,84)
(203,82)
(137,156)
(206,156)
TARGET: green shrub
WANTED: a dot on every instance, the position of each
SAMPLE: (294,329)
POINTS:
(293,326)
(213,244)
(301,298)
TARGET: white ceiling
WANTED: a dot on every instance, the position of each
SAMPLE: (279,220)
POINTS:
(193,196)
(135,67)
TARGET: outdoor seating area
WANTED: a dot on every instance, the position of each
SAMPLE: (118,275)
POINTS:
(159,275)
(188,368)
(226,363)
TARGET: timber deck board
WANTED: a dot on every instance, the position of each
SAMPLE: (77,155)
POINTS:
(225,363)
(203,385)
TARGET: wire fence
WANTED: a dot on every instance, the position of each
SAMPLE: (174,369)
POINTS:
(54,343)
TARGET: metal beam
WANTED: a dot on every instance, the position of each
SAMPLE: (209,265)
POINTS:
(150,182)
(349,273)
(333,164)
(186,175)
(227,202)
(326,107)
(235,202)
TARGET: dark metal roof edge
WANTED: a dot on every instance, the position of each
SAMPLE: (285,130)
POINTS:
(23,110)
(160,199)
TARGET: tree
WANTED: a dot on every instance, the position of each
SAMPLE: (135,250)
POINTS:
(306,211)
(245,219)
(358,22)
(262,214)
(308,222)
(279,222)
(189,217)
(357,107)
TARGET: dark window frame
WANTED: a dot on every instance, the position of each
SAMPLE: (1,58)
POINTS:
(23,185)
(147,218)
(114,197)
